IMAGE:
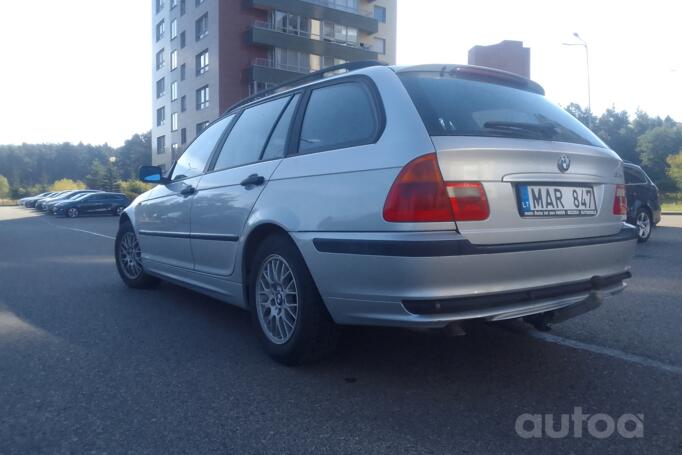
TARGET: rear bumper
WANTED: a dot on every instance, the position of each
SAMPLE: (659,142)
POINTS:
(432,279)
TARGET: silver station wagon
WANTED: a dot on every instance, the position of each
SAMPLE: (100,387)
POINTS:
(364,194)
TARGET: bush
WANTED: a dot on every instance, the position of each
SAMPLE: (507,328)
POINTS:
(4,187)
(67,184)
(675,169)
(133,188)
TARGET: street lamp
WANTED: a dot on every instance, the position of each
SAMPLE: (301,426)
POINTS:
(583,43)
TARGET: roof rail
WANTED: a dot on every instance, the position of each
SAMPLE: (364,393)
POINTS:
(314,76)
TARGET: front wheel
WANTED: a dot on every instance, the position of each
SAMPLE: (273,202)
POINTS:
(644,225)
(72,212)
(129,259)
(292,321)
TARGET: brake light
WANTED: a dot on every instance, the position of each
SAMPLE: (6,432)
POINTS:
(468,200)
(620,202)
(419,194)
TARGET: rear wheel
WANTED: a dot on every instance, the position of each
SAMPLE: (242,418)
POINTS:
(129,259)
(72,212)
(644,225)
(118,210)
(292,321)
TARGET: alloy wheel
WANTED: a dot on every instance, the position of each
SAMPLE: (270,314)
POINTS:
(130,256)
(277,299)
(73,212)
(643,224)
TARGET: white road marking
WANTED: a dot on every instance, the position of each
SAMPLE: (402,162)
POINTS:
(632,358)
(80,230)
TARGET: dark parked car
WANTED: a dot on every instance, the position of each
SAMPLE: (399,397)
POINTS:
(93,204)
(49,204)
(30,202)
(644,207)
(40,203)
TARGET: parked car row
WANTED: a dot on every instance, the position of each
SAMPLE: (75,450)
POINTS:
(74,203)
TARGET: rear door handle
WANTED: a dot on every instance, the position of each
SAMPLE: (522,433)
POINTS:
(253,180)
(188,190)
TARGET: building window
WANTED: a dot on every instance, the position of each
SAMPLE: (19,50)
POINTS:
(174,121)
(380,13)
(160,145)
(175,148)
(182,40)
(379,45)
(161,87)
(183,103)
(159,6)
(173,3)
(183,136)
(182,72)
(174,60)
(202,98)
(174,90)
(160,116)
(160,29)
(183,7)
(201,26)
(174,29)
(202,62)
(201,127)
(160,59)
(198,2)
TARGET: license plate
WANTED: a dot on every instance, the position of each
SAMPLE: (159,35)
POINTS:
(550,200)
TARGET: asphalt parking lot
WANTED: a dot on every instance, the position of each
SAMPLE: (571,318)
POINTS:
(87,365)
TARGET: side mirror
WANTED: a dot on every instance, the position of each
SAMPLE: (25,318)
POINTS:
(152,174)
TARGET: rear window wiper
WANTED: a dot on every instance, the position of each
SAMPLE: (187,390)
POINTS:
(545,129)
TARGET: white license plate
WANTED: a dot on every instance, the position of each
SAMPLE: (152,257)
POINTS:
(549,200)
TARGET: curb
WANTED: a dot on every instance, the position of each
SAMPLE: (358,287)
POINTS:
(671,213)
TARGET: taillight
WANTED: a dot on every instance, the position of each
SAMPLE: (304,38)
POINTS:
(620,202)
(468,200)
(419,194)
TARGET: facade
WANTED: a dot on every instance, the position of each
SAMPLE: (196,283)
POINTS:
(508,56)
(209,54)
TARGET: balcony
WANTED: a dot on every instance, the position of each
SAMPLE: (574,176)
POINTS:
(265,34)
(265,70)
(330,10)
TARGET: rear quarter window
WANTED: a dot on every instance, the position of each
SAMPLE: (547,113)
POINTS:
(339,116)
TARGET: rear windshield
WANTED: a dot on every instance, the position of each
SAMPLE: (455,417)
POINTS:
(452,106)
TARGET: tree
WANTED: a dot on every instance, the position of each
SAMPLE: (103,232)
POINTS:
(133,188)
(654,147)
(136,152)
(675,169)
(615,129)
(67,184)
(584,115)
(4,187)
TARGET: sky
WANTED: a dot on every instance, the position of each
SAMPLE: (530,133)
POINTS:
(81,71)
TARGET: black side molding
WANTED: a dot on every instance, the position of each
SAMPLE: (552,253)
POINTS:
(187,235)
(457,247)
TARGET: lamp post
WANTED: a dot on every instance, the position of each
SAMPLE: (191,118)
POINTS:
(583,43)
(112,163)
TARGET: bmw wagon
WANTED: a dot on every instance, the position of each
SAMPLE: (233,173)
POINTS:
(364,194)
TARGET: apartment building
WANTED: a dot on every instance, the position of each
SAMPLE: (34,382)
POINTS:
(208,54)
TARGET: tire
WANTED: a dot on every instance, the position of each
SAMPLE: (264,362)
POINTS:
(644,224)
(312,334)
(118,211)
(128,262)
(72,212)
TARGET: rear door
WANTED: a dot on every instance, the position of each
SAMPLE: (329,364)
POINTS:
(545,175)
(242,167)
(163,219)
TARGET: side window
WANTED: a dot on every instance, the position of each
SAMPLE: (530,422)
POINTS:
(247,138)
(338,116)
(642,178)
(633,176)
(278,140)
(193,161)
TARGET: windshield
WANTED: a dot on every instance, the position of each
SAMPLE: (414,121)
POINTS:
(451,106)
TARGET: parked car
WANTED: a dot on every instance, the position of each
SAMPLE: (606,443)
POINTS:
(49,204)
(40,203)
(30,202)
(644,206)
(393,196)
(99,203)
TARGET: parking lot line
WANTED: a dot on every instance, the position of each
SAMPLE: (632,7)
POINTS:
(79,230)
(632,358)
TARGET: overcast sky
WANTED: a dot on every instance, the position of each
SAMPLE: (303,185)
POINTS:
(80,70)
